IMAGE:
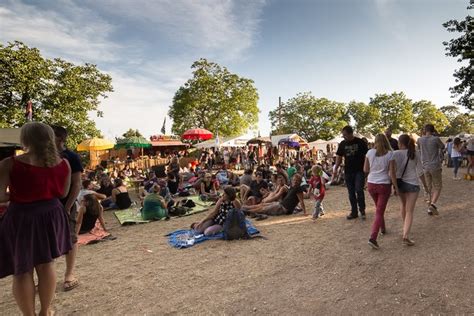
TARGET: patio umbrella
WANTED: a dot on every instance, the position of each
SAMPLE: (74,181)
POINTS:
(197,134)
(135,141)
(95,144)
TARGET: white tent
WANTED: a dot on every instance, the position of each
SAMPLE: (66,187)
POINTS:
(9,137)
(240,141)
(321,144)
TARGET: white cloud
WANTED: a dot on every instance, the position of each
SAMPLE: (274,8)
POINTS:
(77,37)
(225,28)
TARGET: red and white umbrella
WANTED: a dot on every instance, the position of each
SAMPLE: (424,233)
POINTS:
(197,134)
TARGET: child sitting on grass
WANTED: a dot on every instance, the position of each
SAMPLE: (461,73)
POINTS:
(318,190)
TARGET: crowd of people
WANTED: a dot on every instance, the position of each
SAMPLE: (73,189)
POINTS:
(51,200)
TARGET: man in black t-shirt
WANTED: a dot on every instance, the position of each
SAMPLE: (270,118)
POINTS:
(393,142)
(255,193)
(70,281)
(353,150)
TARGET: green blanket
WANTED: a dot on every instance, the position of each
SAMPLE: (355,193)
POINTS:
(130,215)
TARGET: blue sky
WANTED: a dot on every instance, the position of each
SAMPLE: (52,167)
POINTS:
(339,49)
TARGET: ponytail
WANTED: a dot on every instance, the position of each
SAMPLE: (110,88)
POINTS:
(408,141)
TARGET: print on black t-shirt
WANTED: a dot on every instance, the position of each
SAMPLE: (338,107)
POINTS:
(354,154)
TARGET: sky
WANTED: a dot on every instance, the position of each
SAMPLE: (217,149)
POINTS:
(342,50)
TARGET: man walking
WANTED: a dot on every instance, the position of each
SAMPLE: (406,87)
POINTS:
(431,148)
(353,150)
(393,142)
(70,281)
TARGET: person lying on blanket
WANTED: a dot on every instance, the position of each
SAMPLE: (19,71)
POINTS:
(214,222)
(154,205)
(287,205)
(89,212)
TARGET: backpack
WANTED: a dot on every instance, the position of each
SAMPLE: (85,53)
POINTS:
(235,226)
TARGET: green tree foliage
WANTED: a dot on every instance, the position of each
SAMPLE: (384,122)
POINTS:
(462,48)
(366,117)
(62,93)
(396,111)
(458,122)
(215,99)
(426,112)
(309,117)
(132,133)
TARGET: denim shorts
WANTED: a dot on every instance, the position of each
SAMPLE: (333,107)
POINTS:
(405,187)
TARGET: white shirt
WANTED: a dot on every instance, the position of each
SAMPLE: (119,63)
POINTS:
(83,193)
(379,167)
(414,168)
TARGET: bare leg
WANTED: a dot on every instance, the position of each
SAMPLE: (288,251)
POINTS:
(24,293)
(403,202)
(70,261)
(410,206)
(435,195)
(46,286)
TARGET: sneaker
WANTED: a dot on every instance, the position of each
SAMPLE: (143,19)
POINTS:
(321,213)
(350,216)
(362,216)
(408,242)
(383,232)
(373,243)
(433,210)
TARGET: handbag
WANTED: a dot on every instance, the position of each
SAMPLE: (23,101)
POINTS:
(400,182)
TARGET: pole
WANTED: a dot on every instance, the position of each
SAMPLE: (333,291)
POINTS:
(279,113)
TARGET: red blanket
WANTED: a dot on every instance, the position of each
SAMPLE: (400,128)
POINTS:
(96,234)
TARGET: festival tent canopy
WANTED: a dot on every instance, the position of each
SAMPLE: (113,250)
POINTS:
(197,134)
(135,141)
(277,138)
(240,141)
(95,144)
(10,137)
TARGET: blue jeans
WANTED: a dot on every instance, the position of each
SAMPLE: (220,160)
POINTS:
(456,164)
(355,187)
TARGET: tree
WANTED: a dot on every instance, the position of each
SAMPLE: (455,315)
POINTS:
(61,93)
(462,48)
(132,133)
(366,117)
(309,117)
(458,122)
(396,112)
(215,99)
(426,112)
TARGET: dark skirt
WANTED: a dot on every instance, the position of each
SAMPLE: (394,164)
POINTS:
(32,234)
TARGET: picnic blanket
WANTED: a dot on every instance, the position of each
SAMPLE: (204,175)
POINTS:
(130,216)
(95,235)
(186,238)
(201,206)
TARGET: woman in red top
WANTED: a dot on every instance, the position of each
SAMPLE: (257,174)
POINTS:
(34,230)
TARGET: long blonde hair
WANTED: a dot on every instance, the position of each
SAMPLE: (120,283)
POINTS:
(38,139)
(381,145)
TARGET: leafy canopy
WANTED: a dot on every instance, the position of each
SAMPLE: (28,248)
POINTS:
(61,93)
(366,117)
(462,48)
(426,112)
(396,112)
(215,99)
(458,122)
(309,117)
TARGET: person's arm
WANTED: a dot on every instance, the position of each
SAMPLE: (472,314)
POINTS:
(74,191)
(366,165)
(203,188)
(101,217)
(99,196)
(393,175)
(5,167)
(80,215)
(336,166)
(301,199)
(67,183)
(114,195)
(214,212)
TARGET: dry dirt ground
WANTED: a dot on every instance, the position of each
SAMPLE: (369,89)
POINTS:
(304,267)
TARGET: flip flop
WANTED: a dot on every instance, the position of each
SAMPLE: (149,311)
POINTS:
(70,285)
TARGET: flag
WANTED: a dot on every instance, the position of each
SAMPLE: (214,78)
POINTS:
(163,128)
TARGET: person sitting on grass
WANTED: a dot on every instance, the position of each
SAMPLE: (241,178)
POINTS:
(172,183)
(281,189)
(89,212)
(208,189)
(150,180)
(214,222)
(120,197)
(255,193)
(88,188)
(154,205)
(287,205)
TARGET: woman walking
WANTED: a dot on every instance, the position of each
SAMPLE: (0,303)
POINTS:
(408,169)
(34,230)
(378,163)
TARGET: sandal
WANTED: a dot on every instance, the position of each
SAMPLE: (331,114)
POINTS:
(70,285)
